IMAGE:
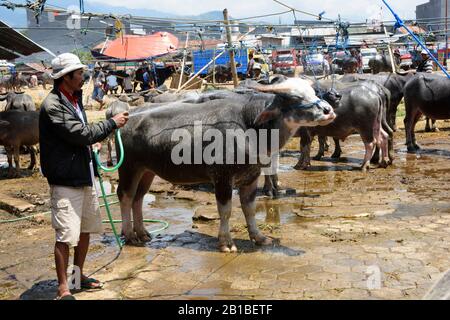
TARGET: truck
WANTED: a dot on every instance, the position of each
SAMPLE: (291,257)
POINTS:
(285,61)
(202,57)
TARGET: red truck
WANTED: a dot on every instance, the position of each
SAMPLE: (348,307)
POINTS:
(285,61)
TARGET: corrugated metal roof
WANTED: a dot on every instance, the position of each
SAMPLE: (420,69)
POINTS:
(17,42)
(7,55)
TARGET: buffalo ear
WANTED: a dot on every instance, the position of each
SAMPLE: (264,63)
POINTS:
(266,116)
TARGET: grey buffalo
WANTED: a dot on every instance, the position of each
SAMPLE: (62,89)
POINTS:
(18,101)
(151,137)
(358,109)
(394,82)
(427,94)
(19,128)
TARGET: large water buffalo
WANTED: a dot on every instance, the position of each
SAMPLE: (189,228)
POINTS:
(19,128)
(380,63)
(152,137)
(358,109)
(18,101)
(394,82)
(427,94)
(324,86)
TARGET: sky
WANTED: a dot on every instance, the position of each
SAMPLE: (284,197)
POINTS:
(356,10)
(353,11)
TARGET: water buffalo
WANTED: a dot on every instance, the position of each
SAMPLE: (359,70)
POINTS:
(18,101)
(347,64)
(394,82)
(427,94)
(149,145)
(19,128)
(358,109)
(385,96)
(380,63)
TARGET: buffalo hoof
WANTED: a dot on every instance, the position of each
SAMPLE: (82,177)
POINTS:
(131,239)
(271,193)
(336,156)
(144,238)
(365,167)
(318,157)
(227,249)
(262,240)
(413,148)
(384,163)
(301,166)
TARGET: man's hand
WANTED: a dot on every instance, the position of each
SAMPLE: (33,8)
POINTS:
(121,119)
(97,146)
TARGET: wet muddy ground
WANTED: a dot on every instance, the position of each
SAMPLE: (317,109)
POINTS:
(344,234)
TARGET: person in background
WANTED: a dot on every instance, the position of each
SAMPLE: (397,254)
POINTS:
(427,63)
(111,82)
(251,63)
(99,84)
(127,82)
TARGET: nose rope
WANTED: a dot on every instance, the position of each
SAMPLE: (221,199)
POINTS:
(310,105)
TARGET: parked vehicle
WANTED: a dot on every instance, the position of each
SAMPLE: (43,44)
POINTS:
(367,55)
(316,64)
(285,61)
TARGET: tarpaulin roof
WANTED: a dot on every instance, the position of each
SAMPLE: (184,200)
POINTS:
(14,43)
(132,47)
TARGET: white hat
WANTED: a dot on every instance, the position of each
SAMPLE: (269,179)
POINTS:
(65,63)
(424,52)
(257,66)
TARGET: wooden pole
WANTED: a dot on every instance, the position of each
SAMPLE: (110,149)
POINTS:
(390,50)
(214,68)
(231,52)
(184,61)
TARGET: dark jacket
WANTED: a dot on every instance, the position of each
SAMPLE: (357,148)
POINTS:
(65,141)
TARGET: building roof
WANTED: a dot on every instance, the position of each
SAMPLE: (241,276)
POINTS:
(13,43)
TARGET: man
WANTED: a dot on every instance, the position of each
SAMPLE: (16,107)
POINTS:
(111,81)
(251,63)
(127,82)
(99,83)
(427,63)
(66,161)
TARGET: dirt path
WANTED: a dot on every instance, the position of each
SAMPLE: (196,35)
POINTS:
(345,235)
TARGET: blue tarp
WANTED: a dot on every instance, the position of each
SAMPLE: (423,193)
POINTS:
(202,58)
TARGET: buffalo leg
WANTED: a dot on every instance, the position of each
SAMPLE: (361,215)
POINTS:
(432,127)
(321,153)
(270,185)
(138,221)
(16,150)
(110,142)
(10,153)
(305,150)
(411,118)
(224,193)
(376,156)
(337,149)
(384,139)
(369,146)
(33,152)
(126,192)
(247,195)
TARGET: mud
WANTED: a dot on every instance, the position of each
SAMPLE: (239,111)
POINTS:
(333,226)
